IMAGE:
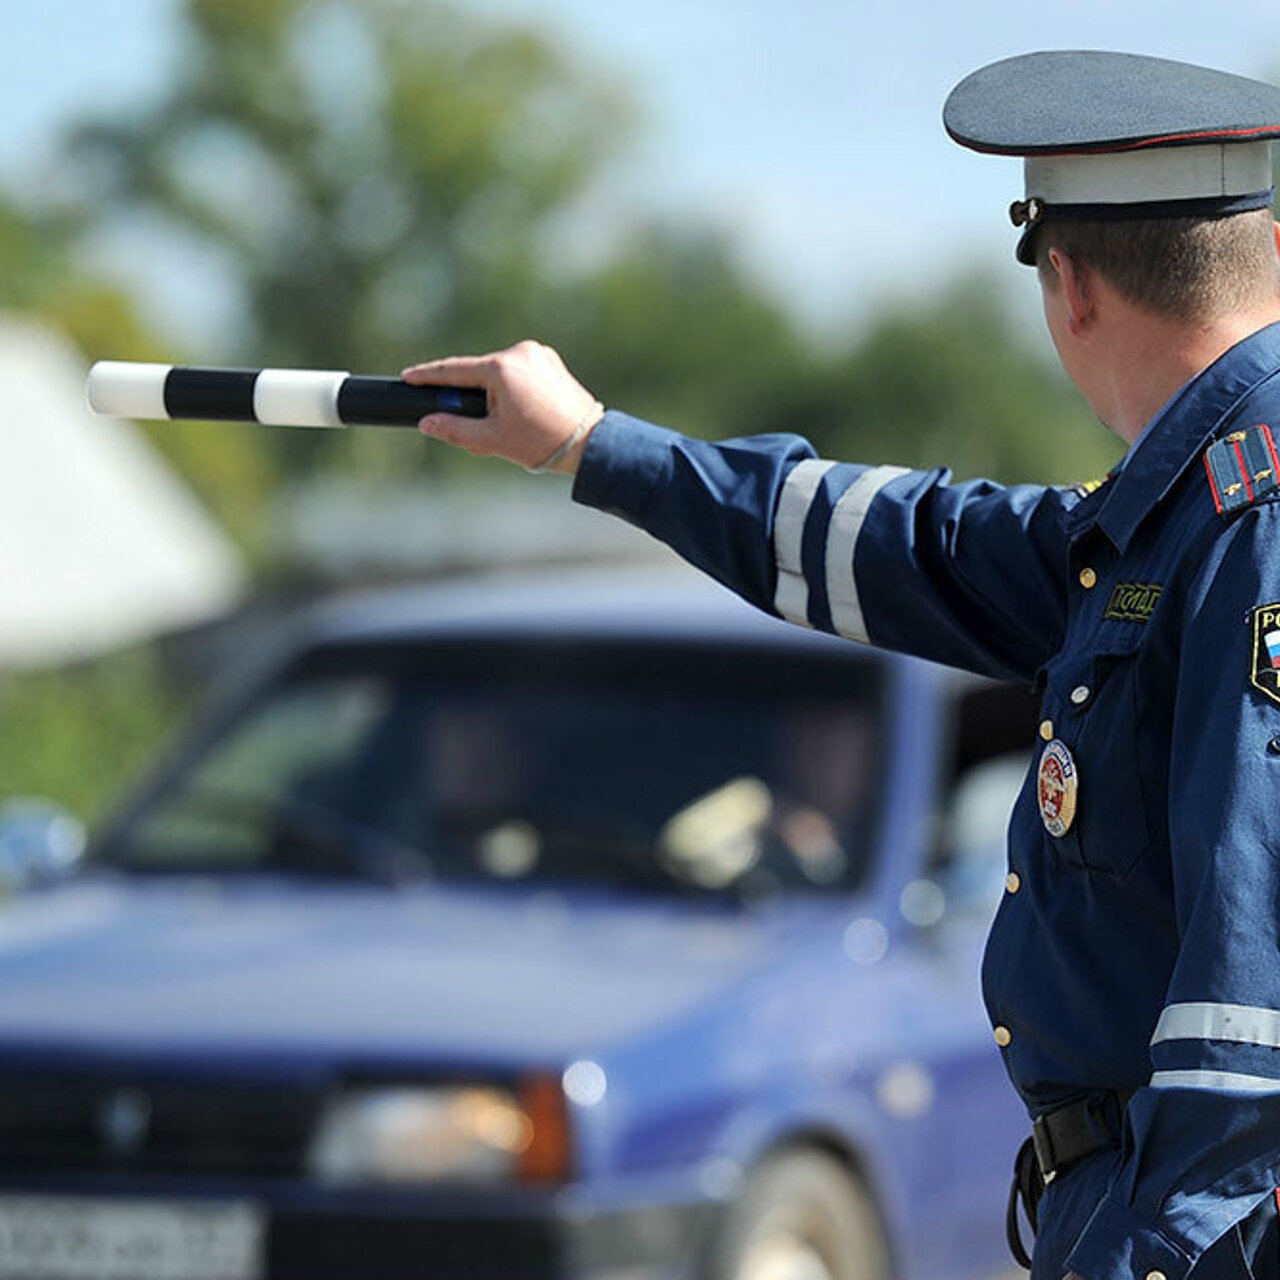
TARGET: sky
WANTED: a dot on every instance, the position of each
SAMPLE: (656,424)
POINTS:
(810,130)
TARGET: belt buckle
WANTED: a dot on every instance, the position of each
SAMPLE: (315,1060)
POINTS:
(1042,1143)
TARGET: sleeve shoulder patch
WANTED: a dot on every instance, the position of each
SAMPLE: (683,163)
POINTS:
(1265,661)
(1242,468)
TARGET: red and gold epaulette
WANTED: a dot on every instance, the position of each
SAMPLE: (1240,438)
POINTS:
(1242,468)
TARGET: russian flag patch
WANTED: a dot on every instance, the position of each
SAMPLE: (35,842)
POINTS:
(1272,639)
(1242,468)
(1265,675)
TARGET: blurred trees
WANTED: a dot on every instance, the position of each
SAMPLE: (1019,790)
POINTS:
(672,329)
(377,179)
(42,274)
(39,273)
(953,382)
(388,179)
(75,734)
(382,180)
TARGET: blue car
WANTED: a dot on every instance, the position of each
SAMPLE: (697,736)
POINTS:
(581,927)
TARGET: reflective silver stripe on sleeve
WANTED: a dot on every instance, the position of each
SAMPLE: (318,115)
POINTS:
(1203,1020)
(1214,1080)
(791,599)
(842,540)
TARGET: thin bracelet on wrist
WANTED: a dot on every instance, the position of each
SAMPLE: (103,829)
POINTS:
(562,450)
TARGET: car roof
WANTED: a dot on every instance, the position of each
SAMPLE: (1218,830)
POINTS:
(670,604)
(674,604)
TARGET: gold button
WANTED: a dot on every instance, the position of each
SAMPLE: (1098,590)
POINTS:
(1155,1275)
(1002,1038)
(1046,729)
(1013,882)
(1088,578)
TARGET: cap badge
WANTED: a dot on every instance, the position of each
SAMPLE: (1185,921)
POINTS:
(1026,213)
(1056,785)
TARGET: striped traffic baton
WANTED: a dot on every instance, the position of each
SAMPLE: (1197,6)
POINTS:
(273,397)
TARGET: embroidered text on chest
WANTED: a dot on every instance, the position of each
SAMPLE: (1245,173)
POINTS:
(1133,601)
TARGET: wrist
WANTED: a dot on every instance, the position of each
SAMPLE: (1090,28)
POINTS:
(568,454)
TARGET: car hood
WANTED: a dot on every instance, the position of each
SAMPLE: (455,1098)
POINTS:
(133,965)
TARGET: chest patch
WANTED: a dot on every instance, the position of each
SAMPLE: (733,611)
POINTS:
(1242,467)
(1133,601)
(1265,673)
(1056,785)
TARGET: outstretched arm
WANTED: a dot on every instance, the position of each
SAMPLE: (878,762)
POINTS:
(971,574)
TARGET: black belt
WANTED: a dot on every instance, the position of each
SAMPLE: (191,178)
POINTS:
(1058,1139)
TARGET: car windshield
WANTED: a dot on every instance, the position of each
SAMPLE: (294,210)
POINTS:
(696,768)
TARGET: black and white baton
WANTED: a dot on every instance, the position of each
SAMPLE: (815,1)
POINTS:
(273,397)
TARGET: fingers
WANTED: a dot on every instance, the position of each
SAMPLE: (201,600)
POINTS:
(478,371)
(471,434)
(535,404)
(455,371)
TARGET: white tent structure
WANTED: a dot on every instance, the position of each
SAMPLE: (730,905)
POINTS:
(100,543)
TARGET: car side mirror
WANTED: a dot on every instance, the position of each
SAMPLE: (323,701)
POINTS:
(39,842)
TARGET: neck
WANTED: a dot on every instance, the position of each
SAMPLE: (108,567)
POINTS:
(1148,358)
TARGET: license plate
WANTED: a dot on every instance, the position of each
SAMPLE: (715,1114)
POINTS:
(47,1238)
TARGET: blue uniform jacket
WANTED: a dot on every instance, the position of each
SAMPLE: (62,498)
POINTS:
(1140,950)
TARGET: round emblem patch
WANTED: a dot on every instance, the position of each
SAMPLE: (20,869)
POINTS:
(1056,784)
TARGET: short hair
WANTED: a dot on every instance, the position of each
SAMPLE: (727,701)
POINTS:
(1188,269)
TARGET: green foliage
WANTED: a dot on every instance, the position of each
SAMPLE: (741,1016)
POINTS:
(671,329)
(40,275)
(381,179)
(74,735)
(31,257)
(377,177)
(953,383)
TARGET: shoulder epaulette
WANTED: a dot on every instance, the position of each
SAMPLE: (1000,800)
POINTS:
(1242,468)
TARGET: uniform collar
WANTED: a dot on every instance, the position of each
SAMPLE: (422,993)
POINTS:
(1176,435)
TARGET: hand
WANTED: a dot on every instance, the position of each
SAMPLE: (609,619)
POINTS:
(535,405)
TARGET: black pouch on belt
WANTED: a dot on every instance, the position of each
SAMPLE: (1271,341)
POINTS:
(1058,1139)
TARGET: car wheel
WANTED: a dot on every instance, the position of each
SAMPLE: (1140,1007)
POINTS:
(801,1216)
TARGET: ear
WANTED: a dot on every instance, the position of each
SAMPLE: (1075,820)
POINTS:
(1076,283)
(1275,231)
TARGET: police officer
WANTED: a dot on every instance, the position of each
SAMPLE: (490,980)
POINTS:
(1133,971)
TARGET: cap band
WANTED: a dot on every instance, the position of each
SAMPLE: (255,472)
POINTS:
(1146,177)
(1214,207)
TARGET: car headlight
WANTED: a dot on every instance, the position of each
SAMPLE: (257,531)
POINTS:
(462,1133)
